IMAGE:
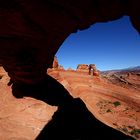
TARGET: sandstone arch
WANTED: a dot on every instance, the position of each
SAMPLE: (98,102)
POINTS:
(31,32)
(93,70)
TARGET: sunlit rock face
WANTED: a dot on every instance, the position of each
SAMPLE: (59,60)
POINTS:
(89,69)
(70,69)
(60,67)
(55,63)
(82,68)
(32,31)
(25,118)
(93,70)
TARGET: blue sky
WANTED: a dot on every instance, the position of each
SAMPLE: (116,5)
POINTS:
(111,45)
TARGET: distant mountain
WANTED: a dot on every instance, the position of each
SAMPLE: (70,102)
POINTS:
(133,68)
(130,69)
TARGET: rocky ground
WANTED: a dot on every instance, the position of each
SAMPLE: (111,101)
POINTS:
(21,119)
(114,102)
(117,105)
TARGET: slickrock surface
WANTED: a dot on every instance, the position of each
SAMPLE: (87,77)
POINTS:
(21,119)
(116,106)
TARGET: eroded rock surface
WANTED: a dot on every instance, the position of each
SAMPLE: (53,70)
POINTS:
(24,118)
(82,68)
(113,103)
(32,31)
(55,63)
(21,119)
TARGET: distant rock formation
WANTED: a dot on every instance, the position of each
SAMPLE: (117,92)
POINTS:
(70,69)
(124,77)
(90,69)
(60,67)
(55,63)
(82,68)
(93,70)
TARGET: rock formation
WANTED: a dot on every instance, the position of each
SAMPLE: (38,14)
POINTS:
(93,70)
(90,69)
(31,32)
(55,63)
(34,30)
(124,77)
(100,96)
(82,68)
(60,67)
(25,118)
(70,69)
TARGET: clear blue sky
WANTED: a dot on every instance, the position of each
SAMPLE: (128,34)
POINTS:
(111,45)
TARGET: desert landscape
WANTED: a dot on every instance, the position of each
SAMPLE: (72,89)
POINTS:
(39,102)
(113,97)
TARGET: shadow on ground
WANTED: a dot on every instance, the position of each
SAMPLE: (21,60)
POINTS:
(72,120)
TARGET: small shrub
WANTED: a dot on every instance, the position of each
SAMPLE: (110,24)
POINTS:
(117,103)
(135,131)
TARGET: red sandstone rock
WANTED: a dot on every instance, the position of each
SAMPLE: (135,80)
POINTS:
(99,96)
(60,67)
(93,70)
(55,63)
(70,69)
(90,69)
(82,68)
(31,33)
(21,118)
(25,118)
(34,41)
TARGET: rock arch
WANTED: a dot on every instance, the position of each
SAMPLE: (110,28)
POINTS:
(31,32)
(93,70)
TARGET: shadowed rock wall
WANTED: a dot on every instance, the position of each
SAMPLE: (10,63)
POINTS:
(31,31)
